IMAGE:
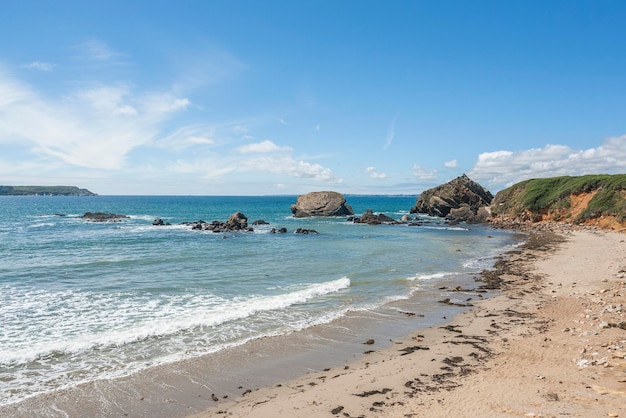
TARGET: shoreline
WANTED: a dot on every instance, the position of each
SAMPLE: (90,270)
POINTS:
(552,343)
(441,367)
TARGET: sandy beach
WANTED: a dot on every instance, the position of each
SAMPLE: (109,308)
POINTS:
(551,343)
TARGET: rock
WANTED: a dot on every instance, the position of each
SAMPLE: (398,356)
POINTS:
(370,218)
(282,230)
(260,222)
(321,204)
(103,217)
(158,222)
(306,231)
(406,218)
(235,223)
(462,194)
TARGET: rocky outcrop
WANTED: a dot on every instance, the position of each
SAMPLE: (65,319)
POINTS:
(371,218)
(103,217)
(459,200)
(321,204)
(237,222)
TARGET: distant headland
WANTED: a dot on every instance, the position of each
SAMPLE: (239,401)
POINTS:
(44,191)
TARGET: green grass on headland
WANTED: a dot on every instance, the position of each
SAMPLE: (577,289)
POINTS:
(540,196)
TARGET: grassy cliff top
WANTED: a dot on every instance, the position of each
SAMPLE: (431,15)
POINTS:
(44,190)
(572,199)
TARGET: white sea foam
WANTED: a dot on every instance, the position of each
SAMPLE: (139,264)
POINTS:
(433,276)
(117,326)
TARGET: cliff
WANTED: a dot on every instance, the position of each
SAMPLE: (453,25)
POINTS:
(593,200)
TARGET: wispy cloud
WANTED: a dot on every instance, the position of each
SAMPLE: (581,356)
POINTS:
(94,128)
(371,171)
(391,133)
(504,168)
(423,174)
(450,164)
(39,66)
(96,50)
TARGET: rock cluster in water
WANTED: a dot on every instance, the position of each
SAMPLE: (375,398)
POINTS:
(237,222)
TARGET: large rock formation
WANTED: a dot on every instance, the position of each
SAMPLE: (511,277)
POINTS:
(321,204)
(459,200)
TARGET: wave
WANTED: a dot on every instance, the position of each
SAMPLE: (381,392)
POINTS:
(173,318)
(433,276)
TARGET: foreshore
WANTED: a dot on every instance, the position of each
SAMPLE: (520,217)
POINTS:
(551,343)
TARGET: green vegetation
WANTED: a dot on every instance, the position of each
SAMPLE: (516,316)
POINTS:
(540,196)
(44,191)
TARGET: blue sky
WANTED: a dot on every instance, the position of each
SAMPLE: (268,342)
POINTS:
(286,97)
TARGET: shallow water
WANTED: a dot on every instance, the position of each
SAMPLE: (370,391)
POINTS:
(83,301)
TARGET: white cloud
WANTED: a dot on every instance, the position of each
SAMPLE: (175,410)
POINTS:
(390,134)
(450,164)
(374,174)
(282,121)
(40,66)
(287,165)
(423,174)
(261,147)
(504,168)
(94,128)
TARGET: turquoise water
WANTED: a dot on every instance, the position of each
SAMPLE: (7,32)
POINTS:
(81,301)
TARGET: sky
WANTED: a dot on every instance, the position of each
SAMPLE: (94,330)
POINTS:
(273,97)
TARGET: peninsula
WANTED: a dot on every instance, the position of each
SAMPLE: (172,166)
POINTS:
(44,191)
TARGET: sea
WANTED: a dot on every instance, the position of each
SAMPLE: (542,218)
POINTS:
(84,301)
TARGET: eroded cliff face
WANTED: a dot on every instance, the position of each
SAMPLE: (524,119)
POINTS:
(601,203)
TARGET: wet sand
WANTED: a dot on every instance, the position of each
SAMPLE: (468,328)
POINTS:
(552,343)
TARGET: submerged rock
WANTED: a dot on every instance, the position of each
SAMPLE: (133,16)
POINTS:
(103,217)
(306,231)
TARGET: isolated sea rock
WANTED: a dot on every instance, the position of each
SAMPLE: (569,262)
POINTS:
(371,218)
(321,204)
(103,217)
(462,194)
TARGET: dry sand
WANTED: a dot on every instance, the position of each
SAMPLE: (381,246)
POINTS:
(551,344)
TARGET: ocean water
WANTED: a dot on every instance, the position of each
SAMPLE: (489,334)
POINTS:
(81,301)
